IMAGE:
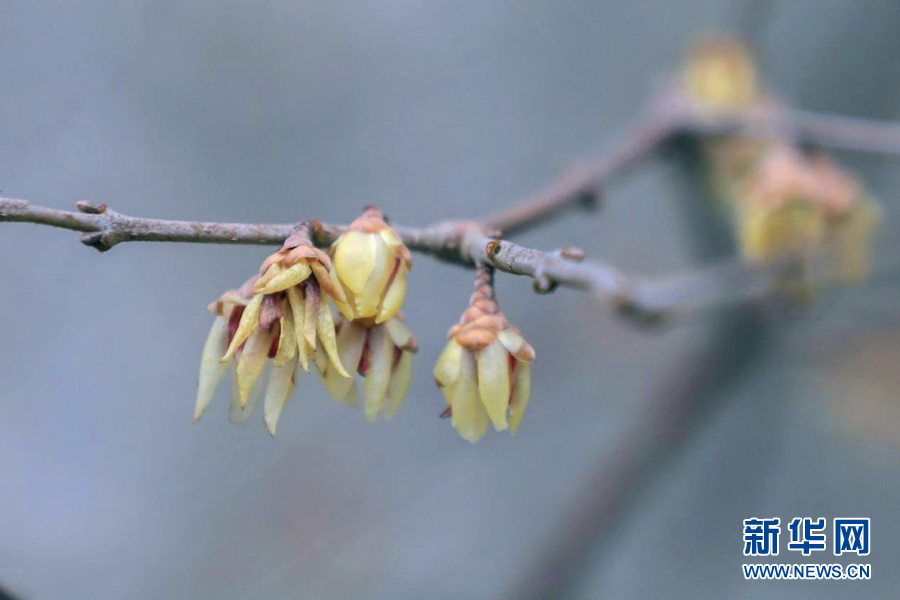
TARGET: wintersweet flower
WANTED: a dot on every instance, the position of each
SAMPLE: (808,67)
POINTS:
(281,315)
(484,371)
(382,354)
(792,206)
(264,343)
(371,264)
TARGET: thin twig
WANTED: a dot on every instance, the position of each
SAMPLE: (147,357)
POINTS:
(802,127)
(581,184)
(458,242)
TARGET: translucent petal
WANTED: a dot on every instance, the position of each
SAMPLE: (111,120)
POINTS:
(354,259)
(469,417)
(350,342)
(325,328)
(350,397)
(211,367)
(493,383)
(287,278)
(237,414)
(281,385)
(369,298)
(297,310)
(252,362)
(448,364)
(520,395)
(393,298)
(378,376)
(249,323)
(401,334)
(400,381)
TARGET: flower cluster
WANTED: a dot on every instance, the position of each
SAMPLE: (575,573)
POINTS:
(484,371)
(284,314)
(795,207)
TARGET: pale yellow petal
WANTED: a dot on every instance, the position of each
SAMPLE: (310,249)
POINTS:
(295,300)
(321,358)
(328,281)
(211,367)
(325,329)
(354,259)
(448,364)
(287,343)
(350,397)
(278,392)
(270,273)
(520,395)
(252,362)
(236,413)
(393,298)
(311,315)
(400,381)
(399,332)
(493,383)
(248,324)
(350,342)
(378,376)
(469,417)
(516,345)
(369,298)
(287,278)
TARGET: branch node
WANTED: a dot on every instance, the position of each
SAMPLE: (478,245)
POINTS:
(543,284)
(90,208)
(96,240)
(492,248)
(572,253)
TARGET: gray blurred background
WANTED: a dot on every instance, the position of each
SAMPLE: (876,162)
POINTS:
(282,110)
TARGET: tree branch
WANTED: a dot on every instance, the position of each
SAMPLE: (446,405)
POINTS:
(469,243)
(459,242)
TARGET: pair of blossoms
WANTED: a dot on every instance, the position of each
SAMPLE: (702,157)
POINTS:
(286,316)
(785,204)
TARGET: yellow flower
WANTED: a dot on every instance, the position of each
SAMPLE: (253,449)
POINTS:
(794,207)
(282,315)
(382,354)
(246,371)
(484,371)
(371,263)
(720,74)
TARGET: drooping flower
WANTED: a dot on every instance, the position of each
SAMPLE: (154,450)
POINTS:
(282,314)
(246,370)
(371,264)
(795,207)
(382,354)
(484,371)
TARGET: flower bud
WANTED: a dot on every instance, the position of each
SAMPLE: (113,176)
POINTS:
(720,74)
(371,264)
(484,371)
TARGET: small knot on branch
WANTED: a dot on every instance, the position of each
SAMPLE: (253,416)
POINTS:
(572,253)
(97,240)
(89,208)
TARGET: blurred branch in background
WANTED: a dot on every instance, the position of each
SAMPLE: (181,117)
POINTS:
(469,243)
